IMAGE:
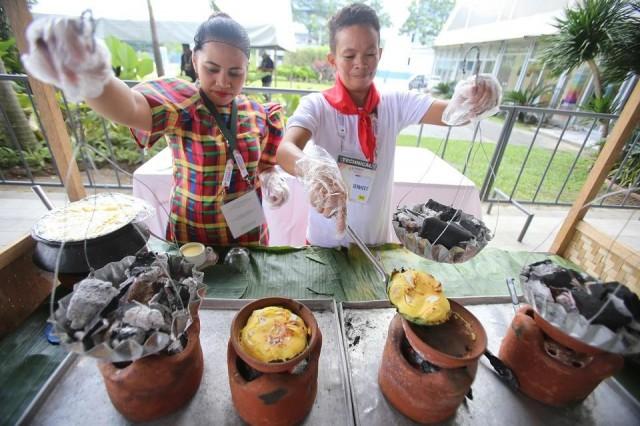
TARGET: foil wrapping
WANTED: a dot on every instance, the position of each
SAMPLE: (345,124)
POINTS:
(148,287)
(559,309)
(408,225)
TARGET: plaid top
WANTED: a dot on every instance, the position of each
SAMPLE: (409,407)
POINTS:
(200,153)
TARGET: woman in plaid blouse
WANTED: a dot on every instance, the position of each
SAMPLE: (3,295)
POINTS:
(189,115)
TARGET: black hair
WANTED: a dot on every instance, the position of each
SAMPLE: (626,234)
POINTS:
(221,28)
(354,14)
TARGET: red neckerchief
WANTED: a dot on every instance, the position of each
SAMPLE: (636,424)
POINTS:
(339,98)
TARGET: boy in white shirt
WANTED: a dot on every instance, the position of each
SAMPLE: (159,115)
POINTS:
(357,126)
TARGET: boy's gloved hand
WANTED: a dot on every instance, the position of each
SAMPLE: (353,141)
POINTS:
(274,186)
(64,52)
(322,180)
(473,101)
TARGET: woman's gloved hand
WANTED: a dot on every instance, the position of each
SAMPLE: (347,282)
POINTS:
(274,186)
(322,180)
(64,52)
(473,101)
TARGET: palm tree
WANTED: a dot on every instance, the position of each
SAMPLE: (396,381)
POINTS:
(530,96)
(16,118)
(585,35)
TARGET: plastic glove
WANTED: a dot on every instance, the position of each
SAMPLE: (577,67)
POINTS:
(322,180)
(274,186)
(473,102)
(63,52)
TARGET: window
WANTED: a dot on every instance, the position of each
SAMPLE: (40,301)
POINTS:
(459,21)
(524,8)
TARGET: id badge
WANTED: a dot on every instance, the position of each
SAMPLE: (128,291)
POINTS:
(243,214)
(359,176)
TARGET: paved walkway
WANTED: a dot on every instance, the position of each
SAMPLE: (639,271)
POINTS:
(21,209)
(490,132)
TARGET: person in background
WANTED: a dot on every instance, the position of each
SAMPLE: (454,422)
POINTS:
(348,168)
(186,62)
(266,66)
(223,144)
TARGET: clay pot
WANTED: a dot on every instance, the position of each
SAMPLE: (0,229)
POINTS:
(157,385)
(279,395)
(430,397)
(551,366)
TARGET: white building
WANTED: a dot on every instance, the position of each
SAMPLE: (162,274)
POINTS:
(510,36)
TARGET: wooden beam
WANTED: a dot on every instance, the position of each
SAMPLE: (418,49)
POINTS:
(15,250)
(45,98)
(620,134)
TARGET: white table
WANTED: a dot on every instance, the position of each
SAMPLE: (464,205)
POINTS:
(153,182)
(418,175)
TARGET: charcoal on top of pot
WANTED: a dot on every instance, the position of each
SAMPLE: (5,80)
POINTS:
(274,334)
(449,234)
(130,309)
(439,232)
(418,297)
(612,304)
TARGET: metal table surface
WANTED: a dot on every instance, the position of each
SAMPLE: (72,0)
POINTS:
(365,326)
(76,395)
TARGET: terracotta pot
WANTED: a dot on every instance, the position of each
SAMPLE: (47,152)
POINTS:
(551,366)
(157,385)
(430,397)
(455,343)
(278,396)
(297,308)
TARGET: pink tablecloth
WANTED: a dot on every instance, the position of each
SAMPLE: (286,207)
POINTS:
(418,176)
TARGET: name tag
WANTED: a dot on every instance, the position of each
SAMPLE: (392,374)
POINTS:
(243,214)
(359,176)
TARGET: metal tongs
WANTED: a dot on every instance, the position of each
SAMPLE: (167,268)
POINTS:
(374,260)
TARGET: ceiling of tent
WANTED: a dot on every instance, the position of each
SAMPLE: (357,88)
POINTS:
(261,35)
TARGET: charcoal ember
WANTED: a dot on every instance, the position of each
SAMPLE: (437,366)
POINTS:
(472,226)
(120,334)
(142,290)
(415,359)
(560,278)
(450,214)
(441,232)
(141,263)
(89,297)
(246,371)
(630,299)
(436,206)
(590,304)
(144,317)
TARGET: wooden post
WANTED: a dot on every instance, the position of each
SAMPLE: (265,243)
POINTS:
(622,131)
(44,94)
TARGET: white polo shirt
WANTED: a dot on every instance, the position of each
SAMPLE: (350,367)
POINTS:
(338,134)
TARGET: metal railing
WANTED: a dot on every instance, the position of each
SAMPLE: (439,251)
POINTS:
(494,188)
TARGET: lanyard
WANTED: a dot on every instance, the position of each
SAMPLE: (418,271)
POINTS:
(229,133)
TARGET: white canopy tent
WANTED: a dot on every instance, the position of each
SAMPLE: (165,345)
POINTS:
(270,24)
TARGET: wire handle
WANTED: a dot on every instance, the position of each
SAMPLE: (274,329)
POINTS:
(476,70)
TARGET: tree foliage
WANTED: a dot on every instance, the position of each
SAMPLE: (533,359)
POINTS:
(315,15)
(623,54)
(426,18)
(588,33)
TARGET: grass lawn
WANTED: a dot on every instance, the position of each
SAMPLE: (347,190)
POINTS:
(457,152)
(286,84)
